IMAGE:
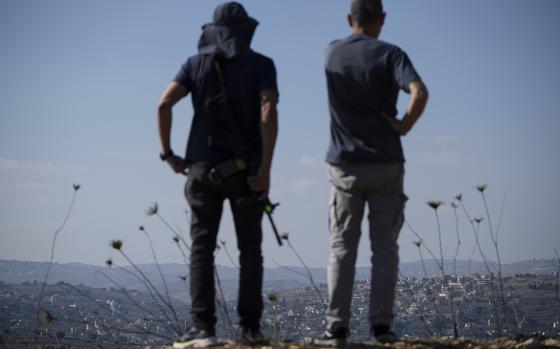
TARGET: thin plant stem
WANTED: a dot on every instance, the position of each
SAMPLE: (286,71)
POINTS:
(289,269)
(168,304)
(223,243)
(223,303)
(150,292)
(53,245)
(309,275)
(502,208)
(104,307)
(422,260)
(458,239)
(124,291)
(425,246)
(154,256)
(494,237)
(440,243)
(113,328)
(185,258)
(557,275)
(485,261)
(442,269)
(175,233)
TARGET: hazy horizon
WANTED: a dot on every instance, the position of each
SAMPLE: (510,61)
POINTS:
(81,81)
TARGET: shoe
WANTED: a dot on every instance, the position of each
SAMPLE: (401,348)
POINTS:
(336,338)
(195,339)
(383,334)
(252,337)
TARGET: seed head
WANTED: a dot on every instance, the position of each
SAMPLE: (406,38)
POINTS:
(434,204)
(183,277)
(273,297)
(152,210)
(116,244)
(176,239)
(478,220)
(76,186)
(284,236)
(141,228)
(459,197)
(223,242)
(454,205)
(109,262)
(481,187)
(418,243)
(47,317)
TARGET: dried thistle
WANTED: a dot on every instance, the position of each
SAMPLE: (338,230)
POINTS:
(109,262)
(183,277)
(47,317)
(478,220)
(223,242)
(141,228)
(76,186)
(116,244)
(418,243)
(481,187)
(152,210)
(284,236)
(454,205)
(434,204)
(271,296)
(176,239)
(459,197)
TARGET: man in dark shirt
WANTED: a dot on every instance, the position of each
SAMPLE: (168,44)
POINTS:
(229,156)
(364,76)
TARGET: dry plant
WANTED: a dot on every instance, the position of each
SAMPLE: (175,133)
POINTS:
(494,236)
(117,245)
(476,232)
(455,206)
(557,275)
(221,300)
(53,245)
(286,237)
(231,260)
(273,298)
(153,210)
(435,205)
(154,256)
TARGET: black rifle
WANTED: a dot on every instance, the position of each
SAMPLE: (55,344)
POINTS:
(219,105)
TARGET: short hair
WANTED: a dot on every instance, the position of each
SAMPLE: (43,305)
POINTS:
(365,11)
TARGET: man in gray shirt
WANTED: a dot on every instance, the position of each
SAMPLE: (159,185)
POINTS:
(364,77)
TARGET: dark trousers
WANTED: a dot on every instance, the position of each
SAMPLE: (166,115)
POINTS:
(206,200)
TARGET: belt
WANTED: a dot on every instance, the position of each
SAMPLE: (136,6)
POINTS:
(226,169)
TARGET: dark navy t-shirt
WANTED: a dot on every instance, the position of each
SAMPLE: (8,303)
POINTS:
(364,76)
(245,77)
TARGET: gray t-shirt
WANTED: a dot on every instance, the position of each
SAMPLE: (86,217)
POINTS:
(364,76)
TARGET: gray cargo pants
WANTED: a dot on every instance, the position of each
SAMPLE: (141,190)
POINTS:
(381,187)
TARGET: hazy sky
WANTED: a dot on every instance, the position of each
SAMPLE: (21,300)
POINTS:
(80,81)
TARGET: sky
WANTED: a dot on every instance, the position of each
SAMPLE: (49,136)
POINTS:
(80,83)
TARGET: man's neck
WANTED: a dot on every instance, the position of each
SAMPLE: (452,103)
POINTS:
(369,31)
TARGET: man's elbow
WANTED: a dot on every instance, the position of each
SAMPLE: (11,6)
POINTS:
(420,93)
(164,107)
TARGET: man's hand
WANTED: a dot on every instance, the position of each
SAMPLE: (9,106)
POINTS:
(398,125)
(260,184)
(177,164)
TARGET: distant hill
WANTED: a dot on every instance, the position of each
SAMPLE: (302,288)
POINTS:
(281,278)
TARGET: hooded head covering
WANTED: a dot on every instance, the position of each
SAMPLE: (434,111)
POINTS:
(230,32)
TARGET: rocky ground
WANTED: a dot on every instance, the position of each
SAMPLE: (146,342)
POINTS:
(424,343)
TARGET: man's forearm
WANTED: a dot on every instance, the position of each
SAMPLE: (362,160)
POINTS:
(164,127)
(269,133)
(416,105)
